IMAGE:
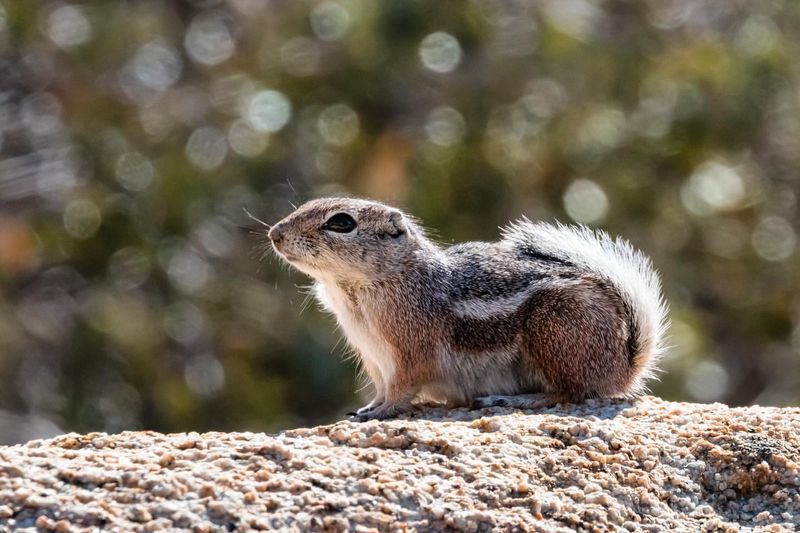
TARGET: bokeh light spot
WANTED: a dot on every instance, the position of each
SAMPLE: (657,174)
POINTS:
(246,141)
(67,26)
(668,15)
(208,39)
(206,148)
(338,125)
(713,187)
(440,52)
(216,237)
(774,239)
(38,384)
(155,122)
(156,66)
(188,270)
(81,218)
(591,140)
(576,18)
(47,312)
(445,126)
(585,201)
(707,381)
(545,98)
(40,112)
(204,375)
(603,130)
(184,322)
(268,111)
(330,21)
(134,171)
(757,37)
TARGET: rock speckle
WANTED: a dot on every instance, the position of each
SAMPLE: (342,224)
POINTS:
(607,465)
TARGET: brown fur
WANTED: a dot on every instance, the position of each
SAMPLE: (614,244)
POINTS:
(581,322)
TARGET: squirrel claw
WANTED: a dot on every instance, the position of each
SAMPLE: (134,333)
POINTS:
(364,417)
(381,412)
(368,412)
(371,406)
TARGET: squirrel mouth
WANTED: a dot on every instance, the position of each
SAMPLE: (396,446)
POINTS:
(289,256)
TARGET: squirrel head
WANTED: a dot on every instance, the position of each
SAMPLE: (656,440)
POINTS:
(346,239)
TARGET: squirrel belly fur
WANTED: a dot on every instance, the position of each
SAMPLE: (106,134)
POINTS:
(548,313)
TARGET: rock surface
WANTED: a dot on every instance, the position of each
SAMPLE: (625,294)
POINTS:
(608,465)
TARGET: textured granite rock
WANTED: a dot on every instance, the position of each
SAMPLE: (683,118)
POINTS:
(611,465)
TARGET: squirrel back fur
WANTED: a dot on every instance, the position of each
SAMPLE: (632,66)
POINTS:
(553,309)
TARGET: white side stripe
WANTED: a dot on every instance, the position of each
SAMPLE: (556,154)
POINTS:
(478,308)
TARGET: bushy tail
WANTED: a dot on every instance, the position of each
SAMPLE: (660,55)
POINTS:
(626,268)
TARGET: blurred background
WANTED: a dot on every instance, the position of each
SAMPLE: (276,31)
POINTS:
(134,292)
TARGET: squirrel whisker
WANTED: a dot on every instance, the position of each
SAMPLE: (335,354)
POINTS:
(246,212)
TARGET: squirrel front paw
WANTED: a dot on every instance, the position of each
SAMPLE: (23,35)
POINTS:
(367,408)
(379,412)
(370,406)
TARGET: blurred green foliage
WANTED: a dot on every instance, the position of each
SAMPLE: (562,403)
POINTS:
(133,292)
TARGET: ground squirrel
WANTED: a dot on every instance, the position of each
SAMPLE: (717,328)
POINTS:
(549,313)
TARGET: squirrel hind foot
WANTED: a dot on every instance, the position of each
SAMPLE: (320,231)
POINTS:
(519,401)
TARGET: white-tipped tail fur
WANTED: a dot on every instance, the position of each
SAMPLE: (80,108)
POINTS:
(629,270)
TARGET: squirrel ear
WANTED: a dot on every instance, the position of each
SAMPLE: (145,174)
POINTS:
(396,225)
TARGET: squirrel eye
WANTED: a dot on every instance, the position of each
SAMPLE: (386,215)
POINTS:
(340,223)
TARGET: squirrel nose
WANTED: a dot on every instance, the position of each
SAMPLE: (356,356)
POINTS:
(275,234)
